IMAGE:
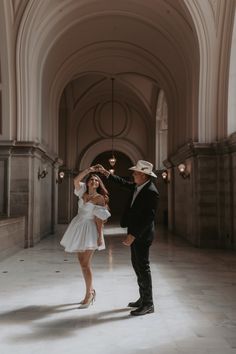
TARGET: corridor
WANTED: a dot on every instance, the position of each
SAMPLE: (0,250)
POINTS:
(194,291)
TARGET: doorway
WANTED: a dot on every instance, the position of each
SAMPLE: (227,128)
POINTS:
(118,196)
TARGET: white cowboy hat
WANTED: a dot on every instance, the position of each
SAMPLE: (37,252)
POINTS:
(144,167)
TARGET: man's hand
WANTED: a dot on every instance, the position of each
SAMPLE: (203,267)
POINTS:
(91,169)
(128,240)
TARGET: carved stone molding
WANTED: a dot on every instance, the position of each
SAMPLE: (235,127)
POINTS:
(183,153)
(27,148)
(191,149)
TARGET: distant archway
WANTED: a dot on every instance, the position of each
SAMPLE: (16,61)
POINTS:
(118,196)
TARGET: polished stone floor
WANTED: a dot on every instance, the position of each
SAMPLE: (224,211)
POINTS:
(194,291)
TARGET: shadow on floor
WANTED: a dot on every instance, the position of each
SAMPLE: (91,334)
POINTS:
(57,328)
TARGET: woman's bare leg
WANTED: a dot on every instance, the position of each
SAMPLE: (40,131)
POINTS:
(85,264)
(99,225)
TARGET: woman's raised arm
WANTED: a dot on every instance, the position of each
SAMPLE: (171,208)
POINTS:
(81,175)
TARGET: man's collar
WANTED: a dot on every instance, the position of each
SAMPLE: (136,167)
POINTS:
(142,185)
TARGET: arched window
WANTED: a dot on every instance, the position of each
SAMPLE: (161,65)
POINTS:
(161,130)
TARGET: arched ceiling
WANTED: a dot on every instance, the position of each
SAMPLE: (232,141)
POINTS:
(147,45)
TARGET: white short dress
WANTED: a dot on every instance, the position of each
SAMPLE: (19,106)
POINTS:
(82,233)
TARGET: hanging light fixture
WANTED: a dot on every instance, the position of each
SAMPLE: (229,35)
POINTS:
(112,159)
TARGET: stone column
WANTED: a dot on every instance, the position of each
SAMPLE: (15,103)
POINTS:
(202,201)
(30,188)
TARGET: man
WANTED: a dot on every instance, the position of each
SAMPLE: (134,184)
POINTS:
(138,217)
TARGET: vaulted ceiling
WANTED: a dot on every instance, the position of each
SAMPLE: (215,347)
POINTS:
(146,45)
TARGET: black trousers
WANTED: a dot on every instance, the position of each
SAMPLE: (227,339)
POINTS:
(140,263)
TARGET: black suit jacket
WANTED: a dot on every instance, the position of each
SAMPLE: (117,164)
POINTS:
(139,218)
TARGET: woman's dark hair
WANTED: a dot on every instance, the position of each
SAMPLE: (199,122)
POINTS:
(101,188)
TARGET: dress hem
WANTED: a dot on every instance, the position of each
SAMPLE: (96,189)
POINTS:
(86,249)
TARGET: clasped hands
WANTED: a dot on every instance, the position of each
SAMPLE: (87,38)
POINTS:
(101,169)
(97,168)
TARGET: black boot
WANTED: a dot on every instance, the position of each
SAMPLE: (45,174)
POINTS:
(137,303)
(142,310)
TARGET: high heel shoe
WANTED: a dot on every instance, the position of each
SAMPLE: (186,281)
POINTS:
(90,301)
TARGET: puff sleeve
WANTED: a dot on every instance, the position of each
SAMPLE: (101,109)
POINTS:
(101,212)
(80,192)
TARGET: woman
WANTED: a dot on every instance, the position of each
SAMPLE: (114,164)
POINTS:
(85,233)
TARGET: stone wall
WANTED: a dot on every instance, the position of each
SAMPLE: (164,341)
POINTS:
(12,235)
(202,206)
(30,189)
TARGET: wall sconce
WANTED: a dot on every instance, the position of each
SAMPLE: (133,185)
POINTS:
(61,175)
(164,176)
(42,174)
(112,161)
(182,170)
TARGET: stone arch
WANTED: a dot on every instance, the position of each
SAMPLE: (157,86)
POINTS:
(232,86)
(213,76)
(69,69)
(79,116)
(8,131)
(32,61)
(205,59)
(123,146)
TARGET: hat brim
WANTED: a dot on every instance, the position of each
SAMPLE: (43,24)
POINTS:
(134,168)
